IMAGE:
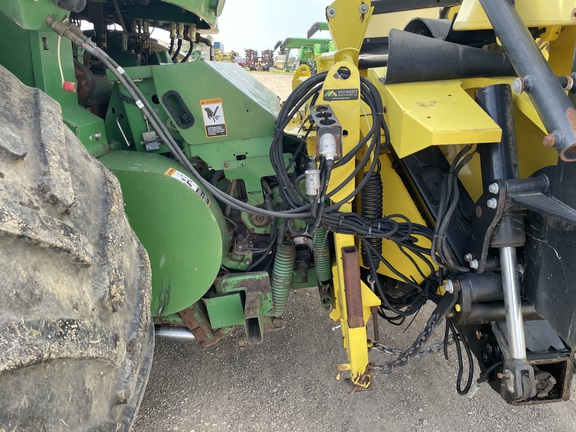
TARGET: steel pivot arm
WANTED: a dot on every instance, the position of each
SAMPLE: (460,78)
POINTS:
(551,102)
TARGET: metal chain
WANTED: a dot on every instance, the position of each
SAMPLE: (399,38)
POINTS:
(432,349)
(415,351)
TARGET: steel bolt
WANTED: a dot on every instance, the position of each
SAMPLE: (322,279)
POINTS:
(449,286)
(363,8)
(336,326)
(331,12)
(474,264)
(494,188)
(549,140)
(518,85)
(492,203)
(468,257)
(97,135)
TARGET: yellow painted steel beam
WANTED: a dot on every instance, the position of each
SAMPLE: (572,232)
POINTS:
(343,77)
(562,50)
(432,113)
(534,13)
(355,340)
(399,201)
(348,21)
(348,114)
(302,74)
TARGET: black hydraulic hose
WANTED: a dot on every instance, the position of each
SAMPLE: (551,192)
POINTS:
(188,54)
(178,48)
(171,49)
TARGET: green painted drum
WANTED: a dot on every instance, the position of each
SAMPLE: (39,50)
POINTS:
(180,225)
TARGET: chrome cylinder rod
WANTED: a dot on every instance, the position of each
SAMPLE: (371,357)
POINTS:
(180,333)
(514,321)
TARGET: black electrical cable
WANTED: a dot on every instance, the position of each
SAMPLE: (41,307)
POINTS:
(460,340)
(405,308)
(449,202)
(486,374)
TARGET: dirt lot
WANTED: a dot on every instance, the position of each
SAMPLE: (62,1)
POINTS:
(288,382)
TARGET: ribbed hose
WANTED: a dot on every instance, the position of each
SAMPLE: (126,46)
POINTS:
(372,209)
(322,260)
(282,276)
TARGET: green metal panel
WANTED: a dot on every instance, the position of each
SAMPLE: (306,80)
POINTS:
(249,110)
(87,127)
(159,12)
(185,237)
(35,63)
(225,311)
(303,43)
(30,14)
(207,10)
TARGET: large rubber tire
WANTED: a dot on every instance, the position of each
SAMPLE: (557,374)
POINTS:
(76,336)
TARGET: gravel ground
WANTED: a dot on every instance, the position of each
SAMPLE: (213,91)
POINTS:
(288,383)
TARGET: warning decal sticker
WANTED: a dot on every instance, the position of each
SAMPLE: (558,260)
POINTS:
(213,115)
(188,182)
(340,94)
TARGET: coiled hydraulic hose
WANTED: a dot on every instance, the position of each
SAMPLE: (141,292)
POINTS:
(322,260)
(282,276)
(371,208)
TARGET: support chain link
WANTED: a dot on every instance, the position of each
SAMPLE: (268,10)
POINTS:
(415,351)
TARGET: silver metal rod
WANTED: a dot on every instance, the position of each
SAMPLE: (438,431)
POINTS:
(122,130)
(179,333)
(511,286)
(545,91)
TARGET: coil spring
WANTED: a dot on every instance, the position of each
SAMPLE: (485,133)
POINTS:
(322,260)
(371,208)
(282,276)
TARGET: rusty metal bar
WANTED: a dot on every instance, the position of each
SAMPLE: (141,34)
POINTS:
(352,288)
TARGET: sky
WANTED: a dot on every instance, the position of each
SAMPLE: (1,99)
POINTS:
(259,24)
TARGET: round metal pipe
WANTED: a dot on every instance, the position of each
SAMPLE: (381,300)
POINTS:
(179,333)
(483,313)
(545,91)
(499,160)
(514,321)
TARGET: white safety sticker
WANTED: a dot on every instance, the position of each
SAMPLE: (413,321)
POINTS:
(213,115)
(181,177)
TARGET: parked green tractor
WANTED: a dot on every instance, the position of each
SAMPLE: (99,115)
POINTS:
(141,192)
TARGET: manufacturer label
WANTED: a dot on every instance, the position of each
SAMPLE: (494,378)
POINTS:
(183,178)
(340,94)
(213,115)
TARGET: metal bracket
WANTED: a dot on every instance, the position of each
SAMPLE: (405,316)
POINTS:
(513,195)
